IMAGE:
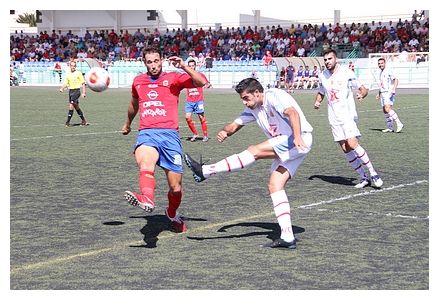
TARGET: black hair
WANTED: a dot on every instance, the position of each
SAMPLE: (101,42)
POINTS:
(151,49)
(330,50)
(249,85)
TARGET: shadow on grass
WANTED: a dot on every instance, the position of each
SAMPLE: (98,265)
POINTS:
(272,231)
(334,179)
(154,226)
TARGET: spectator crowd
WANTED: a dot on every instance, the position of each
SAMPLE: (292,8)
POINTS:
(225,44)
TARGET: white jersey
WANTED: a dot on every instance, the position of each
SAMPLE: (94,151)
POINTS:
(339,90)
(386,80)
(270,115)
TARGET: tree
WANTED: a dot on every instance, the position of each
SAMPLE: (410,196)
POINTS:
(27,18)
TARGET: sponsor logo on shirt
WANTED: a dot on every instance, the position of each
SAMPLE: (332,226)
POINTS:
(152,94)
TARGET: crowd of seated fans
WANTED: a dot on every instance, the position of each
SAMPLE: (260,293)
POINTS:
(245,43)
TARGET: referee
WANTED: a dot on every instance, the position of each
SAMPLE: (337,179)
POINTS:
(73,81)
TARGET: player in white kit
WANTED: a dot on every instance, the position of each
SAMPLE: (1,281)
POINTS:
(289,141)
(388,84)
(337,83)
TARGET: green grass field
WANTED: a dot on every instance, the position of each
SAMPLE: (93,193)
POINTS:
(70,227)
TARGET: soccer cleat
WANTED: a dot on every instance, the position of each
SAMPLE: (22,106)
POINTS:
(68,124)
(399,127)
(280,243)
(177,223)
(364,182)
(377,181)
(205,139)
(386,130)
(194,138)
(196,168)
(84,123)
(135,200)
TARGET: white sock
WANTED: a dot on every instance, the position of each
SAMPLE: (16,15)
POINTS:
(231,163)
(356,164)
(364,158)
(394,116)
(282,211)
(389,121)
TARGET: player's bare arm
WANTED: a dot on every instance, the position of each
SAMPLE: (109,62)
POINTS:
(197,78)
(227,131)
(362,93)
(318,101)
(133,107)
(294,118)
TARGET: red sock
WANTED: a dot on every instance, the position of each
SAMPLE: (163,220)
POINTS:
(147,184)
(204,126)
(174,203)
(191,125)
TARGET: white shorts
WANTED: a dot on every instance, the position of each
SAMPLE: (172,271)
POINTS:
(289,157)
(345,131)
(387,99)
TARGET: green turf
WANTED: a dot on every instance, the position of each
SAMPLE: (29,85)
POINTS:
(71,229)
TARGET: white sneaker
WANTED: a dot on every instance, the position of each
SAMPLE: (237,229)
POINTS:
(399,127)
(364,182)
(387,130)
(377,181)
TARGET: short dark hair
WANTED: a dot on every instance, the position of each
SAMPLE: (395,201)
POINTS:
(151,49)
(330,50)
(249,85)
(381,58)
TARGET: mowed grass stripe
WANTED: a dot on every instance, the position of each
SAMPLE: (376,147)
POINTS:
(165,236)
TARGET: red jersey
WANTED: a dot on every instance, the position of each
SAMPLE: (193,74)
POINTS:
(195,94)
(158,98)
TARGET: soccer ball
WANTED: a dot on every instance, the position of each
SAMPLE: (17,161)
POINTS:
(97,79)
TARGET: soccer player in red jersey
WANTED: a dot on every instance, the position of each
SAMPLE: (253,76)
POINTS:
(195,104)
(155,97)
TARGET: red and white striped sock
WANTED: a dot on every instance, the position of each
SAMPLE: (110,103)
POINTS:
(355,163)
(364,158)
(389,121)
(394,116)
(231,163)
(281,208)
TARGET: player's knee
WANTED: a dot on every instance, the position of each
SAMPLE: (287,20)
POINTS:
(175,188)
(253,149)
(274,187)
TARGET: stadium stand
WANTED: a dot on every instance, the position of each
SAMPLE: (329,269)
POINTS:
(236,52)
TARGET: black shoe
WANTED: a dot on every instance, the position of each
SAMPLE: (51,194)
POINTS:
(68,124)
(280,243)
(196,167)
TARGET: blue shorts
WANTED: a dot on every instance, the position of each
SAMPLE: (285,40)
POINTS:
(167,143)
(195,107)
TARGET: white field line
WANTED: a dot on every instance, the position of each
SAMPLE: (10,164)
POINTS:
(164,236)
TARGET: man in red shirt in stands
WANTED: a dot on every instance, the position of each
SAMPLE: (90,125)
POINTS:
(155,97)
(267,58)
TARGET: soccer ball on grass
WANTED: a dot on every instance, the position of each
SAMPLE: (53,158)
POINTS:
(97,79)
